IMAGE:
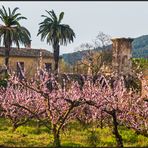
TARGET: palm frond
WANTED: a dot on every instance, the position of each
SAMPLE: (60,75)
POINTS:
(53,15)
(61,17)
(20,18)
(5,12)
(14,10)
(1,13)
(9,12)
(16,15)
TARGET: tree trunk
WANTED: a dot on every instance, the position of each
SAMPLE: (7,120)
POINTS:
(7,42)
(56,135)
(115,130)
(14,127)
(101,121)
(56,48)
(7,60)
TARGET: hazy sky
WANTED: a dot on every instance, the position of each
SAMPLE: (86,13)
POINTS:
(118,19)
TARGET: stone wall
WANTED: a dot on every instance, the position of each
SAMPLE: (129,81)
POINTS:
(30,64)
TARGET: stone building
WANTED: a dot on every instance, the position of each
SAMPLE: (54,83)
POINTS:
(28,58)
(121,56)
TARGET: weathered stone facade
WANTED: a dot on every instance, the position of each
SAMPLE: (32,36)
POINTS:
(29,57)
(121,56)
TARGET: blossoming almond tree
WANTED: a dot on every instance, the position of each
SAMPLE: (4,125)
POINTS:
(62,104)
(125,107)
(17,94)
(32,98)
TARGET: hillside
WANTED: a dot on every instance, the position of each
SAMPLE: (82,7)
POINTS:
(140,49)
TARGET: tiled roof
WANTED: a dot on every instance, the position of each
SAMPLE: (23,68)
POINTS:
(26,52)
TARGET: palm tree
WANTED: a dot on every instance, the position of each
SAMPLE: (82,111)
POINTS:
(56,34)
(11,32)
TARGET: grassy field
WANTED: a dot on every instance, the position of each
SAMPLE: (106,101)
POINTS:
(75,135)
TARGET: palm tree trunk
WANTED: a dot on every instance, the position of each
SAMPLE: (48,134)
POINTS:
(56,57)
(7,51)
(7,58)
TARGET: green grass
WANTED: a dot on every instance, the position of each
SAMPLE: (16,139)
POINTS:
(75,135)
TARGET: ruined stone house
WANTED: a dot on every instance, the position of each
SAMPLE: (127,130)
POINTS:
(30,59)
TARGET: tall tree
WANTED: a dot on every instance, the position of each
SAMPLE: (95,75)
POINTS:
(55,33)
(11,32)
(102,40)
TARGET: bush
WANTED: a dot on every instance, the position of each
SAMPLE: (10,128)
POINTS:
(3,83)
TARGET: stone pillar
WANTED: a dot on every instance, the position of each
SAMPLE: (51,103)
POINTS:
(121,56)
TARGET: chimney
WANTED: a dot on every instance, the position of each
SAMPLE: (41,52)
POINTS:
(121,56)
(28,45)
